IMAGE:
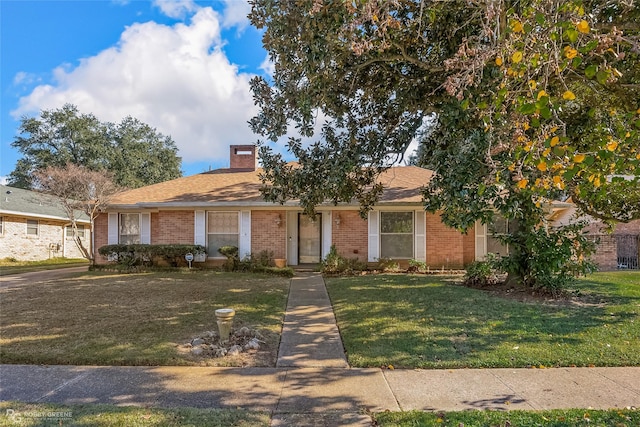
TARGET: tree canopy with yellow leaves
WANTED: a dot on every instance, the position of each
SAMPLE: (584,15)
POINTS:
(515,104)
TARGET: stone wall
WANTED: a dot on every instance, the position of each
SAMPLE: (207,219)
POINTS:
(50,242)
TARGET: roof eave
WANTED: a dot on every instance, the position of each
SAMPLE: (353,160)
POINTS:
(43,216)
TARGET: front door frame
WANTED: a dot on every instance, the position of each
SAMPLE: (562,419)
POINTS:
(318,222)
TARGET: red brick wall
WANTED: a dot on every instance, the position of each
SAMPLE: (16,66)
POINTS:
(606,255)
(101,236)
(445,246)
(266,235)
(242,161)
(351,236)
(469,243)
(172,227)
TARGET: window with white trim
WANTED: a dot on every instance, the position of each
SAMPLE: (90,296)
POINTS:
(129,229)
(80,231)
(32,227)
(223,229)
(498,228)
(396,235)
(1,226)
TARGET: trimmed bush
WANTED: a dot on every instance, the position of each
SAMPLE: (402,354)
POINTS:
(479,274)
(149,255)
(335,263)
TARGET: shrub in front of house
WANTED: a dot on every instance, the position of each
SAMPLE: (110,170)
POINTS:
(480,274)
(335,263)
(149,255)
(262,262)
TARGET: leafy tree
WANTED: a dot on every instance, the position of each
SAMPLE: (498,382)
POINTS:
(142,156)
(135,153)
(515,104)
(80,191)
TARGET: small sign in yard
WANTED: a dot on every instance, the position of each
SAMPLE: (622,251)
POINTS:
(189,258)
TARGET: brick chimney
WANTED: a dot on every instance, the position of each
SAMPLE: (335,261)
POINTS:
(243,157)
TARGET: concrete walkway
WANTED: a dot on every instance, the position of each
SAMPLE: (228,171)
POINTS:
(312,385)
(310,336)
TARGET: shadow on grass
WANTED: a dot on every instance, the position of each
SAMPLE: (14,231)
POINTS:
(130,319)
(418,321)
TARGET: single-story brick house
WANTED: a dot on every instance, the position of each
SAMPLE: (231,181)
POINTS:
(34,226)
(225,207)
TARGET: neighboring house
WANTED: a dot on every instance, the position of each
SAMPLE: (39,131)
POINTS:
(616,250)
(34,226)
(225,207)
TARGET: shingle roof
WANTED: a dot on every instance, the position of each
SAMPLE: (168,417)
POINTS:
(33,204)
(228,187)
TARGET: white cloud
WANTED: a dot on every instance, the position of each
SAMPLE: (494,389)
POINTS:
(4,180)
(24,78)
(268,66)
(235,14)
(178,9)
(175,78)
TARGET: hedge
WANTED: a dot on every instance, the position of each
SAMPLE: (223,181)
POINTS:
(148,255)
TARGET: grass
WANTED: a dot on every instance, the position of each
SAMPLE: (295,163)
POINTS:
(97,318)
(13,266)
(31,415)
(555,418)
(429,322)
(18,414)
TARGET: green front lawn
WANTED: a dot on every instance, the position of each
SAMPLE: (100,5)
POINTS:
(556,418)
(135,319)
(17,414)
(415,321)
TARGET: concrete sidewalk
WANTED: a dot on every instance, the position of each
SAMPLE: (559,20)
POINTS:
(312,384)
(325,390)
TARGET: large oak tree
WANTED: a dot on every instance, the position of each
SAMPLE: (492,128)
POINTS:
(133,152)
(515,104)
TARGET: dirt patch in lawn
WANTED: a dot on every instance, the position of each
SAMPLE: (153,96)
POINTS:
(557,298)
(246,347)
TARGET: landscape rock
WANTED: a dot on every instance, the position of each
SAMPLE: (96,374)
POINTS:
(253,344)
(234,350)
(208,343)
(243,332)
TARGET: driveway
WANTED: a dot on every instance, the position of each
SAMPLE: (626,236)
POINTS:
(38,276)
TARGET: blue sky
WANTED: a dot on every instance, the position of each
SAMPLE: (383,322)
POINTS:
(182,66)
